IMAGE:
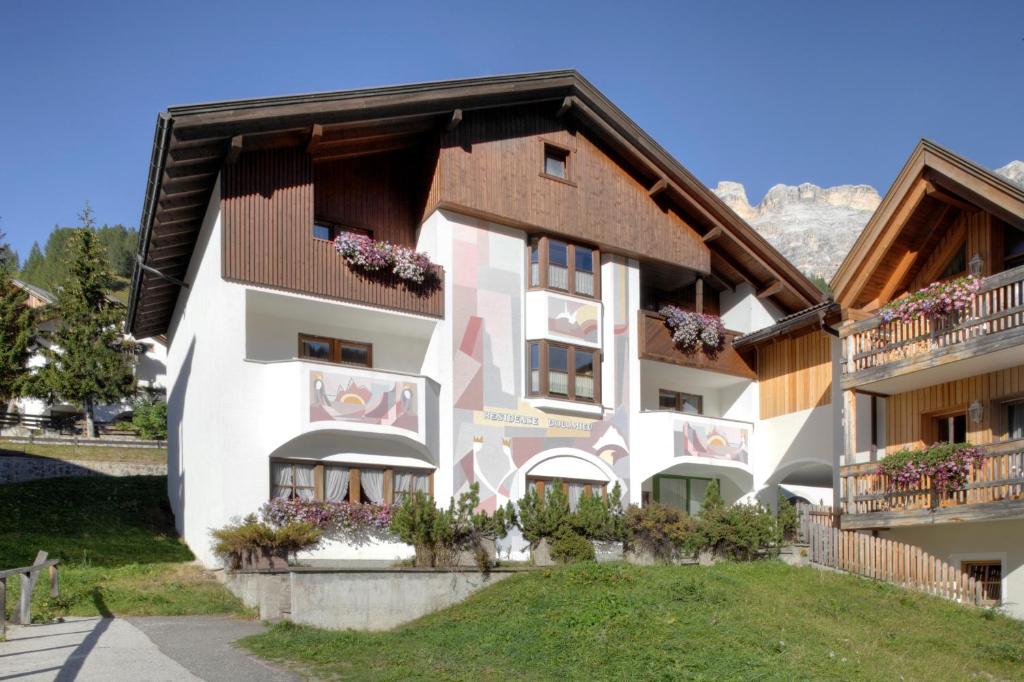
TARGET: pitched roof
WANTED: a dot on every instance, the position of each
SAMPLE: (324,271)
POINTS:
(192,142)
(815,315)
(931,176)
(40,293)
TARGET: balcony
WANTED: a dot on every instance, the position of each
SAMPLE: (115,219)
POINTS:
(655,340)
(902,356)
(306,396)
(995,491)
(674,442)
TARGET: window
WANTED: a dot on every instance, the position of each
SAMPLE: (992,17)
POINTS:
(573,488)
(957,265)
(1013,246)
(990,573)
(556,162)
(1015,420)
(327,230)
(680,402)
(561,371)
(951,428)
(685,493)
(562,266)
(336,350)
(341,482)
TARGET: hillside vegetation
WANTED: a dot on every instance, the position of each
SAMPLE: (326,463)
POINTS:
(753,621)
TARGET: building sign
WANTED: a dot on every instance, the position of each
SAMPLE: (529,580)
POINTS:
(528,417)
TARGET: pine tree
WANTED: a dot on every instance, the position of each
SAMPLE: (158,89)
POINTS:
(87,360)
(16,329)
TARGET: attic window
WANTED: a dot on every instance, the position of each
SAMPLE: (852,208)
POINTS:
(556,162)
(957,265)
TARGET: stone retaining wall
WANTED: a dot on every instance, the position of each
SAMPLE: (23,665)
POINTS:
(19,469)
(358,599)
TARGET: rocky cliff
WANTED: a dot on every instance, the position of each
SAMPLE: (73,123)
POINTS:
(815,226)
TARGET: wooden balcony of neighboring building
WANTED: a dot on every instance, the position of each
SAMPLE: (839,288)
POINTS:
(900,356)
(655,340)
(994,491)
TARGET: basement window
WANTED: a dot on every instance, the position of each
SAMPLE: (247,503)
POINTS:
(990,574)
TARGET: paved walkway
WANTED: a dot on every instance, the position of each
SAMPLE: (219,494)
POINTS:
(188,648)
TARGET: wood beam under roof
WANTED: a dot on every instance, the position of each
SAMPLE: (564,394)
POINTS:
(454,121)
(776,287)
(657,188)
(713,234)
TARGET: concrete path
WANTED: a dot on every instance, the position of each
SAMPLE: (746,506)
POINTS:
(188,648)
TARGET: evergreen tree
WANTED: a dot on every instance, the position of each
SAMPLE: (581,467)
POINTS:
(16,328)
(30,270)
(87,361)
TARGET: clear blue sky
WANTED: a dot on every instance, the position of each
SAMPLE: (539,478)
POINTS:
(756,92)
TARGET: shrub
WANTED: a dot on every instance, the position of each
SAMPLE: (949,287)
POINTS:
(569,547)
(660,530)
(250,538)
(596,518)
(440,535)
(737,532)
(787,518)
(541,518)
(150,418)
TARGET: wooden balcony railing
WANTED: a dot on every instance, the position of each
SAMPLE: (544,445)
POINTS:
(656,344)
(999,477)
(997,307)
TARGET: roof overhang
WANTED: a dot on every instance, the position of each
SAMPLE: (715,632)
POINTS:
(191,143)
(932,175)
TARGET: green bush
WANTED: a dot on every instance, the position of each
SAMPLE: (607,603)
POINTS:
(569,547)
(737,532)
(596,518)
(787,518)
(543,517)
(251,538)
(440,535)
(662,531)
(150,418)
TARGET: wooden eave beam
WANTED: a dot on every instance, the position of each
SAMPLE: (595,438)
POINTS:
(947,198)
(454,121)
(566,105)
(316,134)
(740,271)
(713,234)
(776,287)
(234,150)
(657,188)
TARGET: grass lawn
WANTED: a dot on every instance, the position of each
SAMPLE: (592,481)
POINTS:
(762,620)
(93,453)
(115,538)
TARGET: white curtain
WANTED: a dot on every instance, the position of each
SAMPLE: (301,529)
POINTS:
(336,484)
(372,483)
(558,277)
(575,492)
(585,283)
(410,482)
(304,482)
(584,387)
(281,477)
(558,382)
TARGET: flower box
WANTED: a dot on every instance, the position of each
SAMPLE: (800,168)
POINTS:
(695,332)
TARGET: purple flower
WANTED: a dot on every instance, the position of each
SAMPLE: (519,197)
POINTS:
(692,332)
(378,256)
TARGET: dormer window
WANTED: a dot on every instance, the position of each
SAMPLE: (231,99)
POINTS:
(556,162)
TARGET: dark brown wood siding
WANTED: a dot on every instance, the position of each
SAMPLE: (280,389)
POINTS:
(267,207)
(492,164)
(656,344)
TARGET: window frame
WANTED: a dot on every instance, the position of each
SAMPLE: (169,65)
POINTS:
(354,469)
(336,347)
(588,485)
(544,260)
(553,149)
(965,568)
(1003,416)
(337,228)
(544,384)
(656,486)
(679,397)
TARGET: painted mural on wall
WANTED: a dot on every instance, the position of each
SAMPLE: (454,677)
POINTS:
(574,319)
(716,441)
(496,431)
(350,397)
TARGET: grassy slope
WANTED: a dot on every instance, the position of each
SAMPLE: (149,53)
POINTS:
(92,453)
(732,621)
(118,550)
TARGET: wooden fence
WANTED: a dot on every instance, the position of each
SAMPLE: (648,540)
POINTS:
(29,576)
(808,514)
(893,562)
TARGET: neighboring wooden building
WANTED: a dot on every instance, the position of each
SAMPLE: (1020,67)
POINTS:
(957,378)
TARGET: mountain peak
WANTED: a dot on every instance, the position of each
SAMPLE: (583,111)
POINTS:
(1013,171)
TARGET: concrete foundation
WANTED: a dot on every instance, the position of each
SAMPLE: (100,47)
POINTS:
(357,599)
(19,469)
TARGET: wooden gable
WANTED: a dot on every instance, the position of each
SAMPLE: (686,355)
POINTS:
(939,203)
